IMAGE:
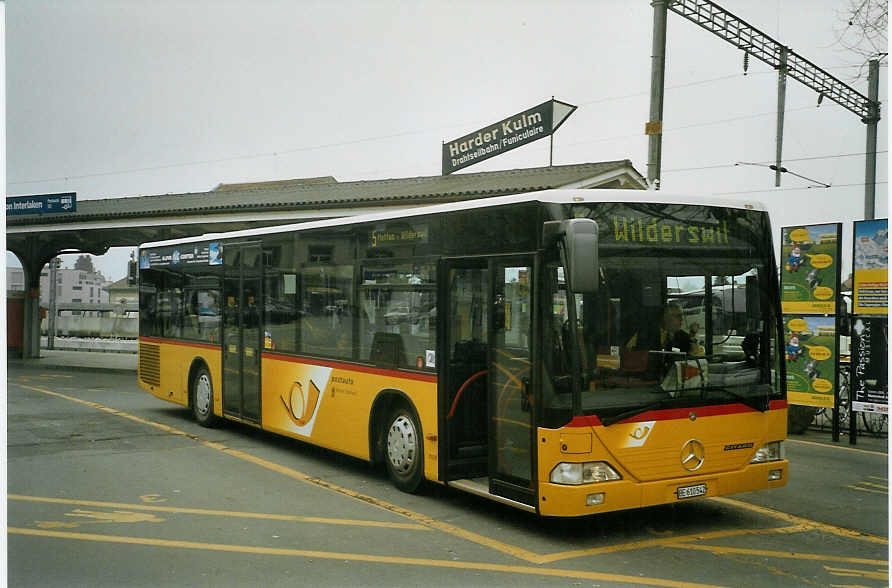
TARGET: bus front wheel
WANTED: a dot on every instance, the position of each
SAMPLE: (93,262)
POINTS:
(203,398)
(404,450)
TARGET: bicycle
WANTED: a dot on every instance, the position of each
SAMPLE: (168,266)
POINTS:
(827,412)
(874,422)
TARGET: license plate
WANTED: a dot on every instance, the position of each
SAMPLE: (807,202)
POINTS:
(691,491)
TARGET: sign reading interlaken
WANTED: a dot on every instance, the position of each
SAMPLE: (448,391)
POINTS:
(41,204)
(517,130)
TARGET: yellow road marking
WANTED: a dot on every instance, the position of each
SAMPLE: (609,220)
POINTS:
(868,490)
(669,541)
(827,528)
(152,498)
(836,447)
(722,550)
(222,513)
(411,515)
(414,516)
(881,574)
(883,486)
(407,561)
(118,516)
(512,550)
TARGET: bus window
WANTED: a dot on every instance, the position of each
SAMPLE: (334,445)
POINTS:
(149,322)
(326,317)
(397,316)
(280,290)
(170,307)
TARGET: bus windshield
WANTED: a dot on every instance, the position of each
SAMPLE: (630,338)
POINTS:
(674,323)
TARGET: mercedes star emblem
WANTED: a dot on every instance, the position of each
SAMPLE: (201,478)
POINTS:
(692,455)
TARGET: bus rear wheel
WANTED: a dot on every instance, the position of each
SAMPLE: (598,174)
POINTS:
(203,398)
(404,450)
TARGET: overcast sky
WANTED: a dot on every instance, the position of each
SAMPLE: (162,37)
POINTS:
(127,98)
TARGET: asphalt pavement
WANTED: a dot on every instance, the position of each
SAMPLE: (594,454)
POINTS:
(110,487)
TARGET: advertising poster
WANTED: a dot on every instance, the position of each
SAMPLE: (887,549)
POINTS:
(187,254)
(810,353)
(870,364)
(871,267)
(810,268)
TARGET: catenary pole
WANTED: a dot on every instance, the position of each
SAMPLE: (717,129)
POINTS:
(654,127)
(870,168)
(781,105)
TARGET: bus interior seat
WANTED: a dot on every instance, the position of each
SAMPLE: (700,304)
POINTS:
(634,360)
(387,349)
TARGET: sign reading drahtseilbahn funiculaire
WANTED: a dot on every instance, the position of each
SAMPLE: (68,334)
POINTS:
(507,134)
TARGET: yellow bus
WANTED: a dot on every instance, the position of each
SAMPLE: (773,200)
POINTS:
(512,347)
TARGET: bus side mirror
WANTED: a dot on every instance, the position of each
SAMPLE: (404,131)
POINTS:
(753,298)
(580,240)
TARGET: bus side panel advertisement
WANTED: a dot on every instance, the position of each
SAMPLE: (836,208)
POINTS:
(870,365)
(810,353)
(871,267)
(810,268)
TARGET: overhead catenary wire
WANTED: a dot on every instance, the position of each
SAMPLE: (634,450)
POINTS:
(792,159)
(784,170)
(278,152)
(778,190)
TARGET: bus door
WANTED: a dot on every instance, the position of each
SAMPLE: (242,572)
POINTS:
(487,332)
(242,336)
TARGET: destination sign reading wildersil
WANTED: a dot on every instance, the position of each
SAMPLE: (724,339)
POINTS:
(505,135)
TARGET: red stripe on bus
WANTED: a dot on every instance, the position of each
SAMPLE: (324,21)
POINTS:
(430,378)
(179,342)
(677,413)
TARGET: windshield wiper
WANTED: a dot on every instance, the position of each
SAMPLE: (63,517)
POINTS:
(759,403)
(615,418)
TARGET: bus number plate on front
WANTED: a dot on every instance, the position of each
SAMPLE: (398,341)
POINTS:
(691,491)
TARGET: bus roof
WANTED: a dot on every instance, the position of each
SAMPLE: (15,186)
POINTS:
(559,196)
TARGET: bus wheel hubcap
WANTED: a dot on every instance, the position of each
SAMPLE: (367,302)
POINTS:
(401,444)
(203,394)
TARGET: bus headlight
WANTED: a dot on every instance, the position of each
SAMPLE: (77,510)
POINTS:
(583,473)
(769,452)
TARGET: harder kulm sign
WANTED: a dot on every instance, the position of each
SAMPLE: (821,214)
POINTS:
(513,132)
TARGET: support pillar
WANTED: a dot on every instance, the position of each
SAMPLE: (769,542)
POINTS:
(31,318)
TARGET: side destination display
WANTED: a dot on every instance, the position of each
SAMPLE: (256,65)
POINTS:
(507,134)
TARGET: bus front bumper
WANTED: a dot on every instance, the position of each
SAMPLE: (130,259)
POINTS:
(570,501)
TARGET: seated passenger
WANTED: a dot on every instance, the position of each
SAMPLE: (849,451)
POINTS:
(671,335)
